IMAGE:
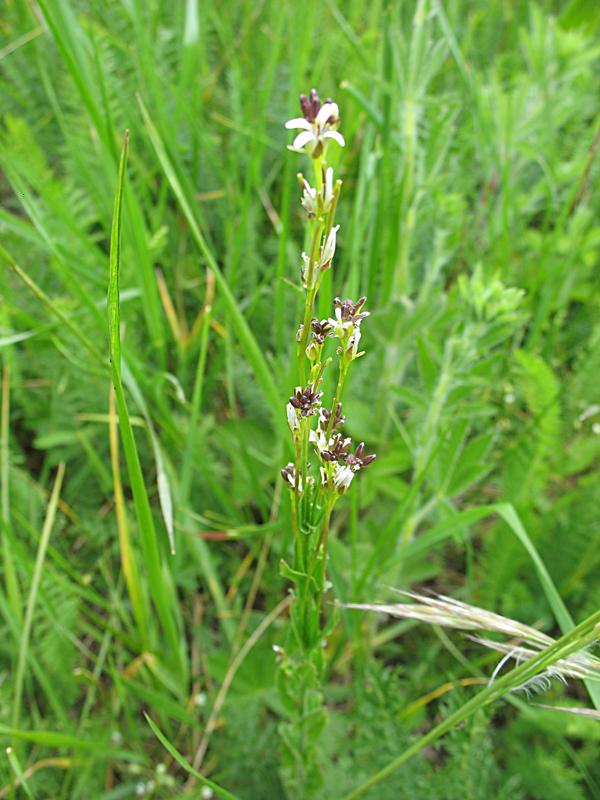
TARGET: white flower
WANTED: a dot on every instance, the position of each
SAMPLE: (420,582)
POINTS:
(328,189)
(346,324)
(288,473)
(305,272)
(343,478)
(316,202)
(324,476)
(309,199)
(353,341)
(293,418)
(318,438)
(328,249)
(326,253)
(315,135)
(340,328)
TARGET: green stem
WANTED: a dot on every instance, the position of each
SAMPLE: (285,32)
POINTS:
(319,165)
(338,392)
(311,293)
(296,493)
(323,536)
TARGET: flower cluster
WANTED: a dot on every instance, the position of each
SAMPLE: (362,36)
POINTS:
(346,325)
(306,401)
(325,461)
(288,473)
(338,462)
(303,403)
(314,202)
(338,418)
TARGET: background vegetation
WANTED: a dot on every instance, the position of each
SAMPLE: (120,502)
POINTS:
(469,174)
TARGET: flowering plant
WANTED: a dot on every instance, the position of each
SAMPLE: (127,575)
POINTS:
(325,462)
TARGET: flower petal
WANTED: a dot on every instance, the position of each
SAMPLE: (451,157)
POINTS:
(292,418)
(337,137)
(328,185)
(298,122)
(343,479)
(303,139)
(327,110)
(329,248)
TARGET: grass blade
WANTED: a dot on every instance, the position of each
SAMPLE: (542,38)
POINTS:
(183,763)
(17,769)
(134,585)
(67,740)
(148,538)
(13,591)
(563,617)
(33,592)
(162,480)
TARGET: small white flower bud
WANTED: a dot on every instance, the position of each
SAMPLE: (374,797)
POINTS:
(293,418)
(312,351)
(342,479)
(328,250)
(328,194)
(309,200)
(305,273)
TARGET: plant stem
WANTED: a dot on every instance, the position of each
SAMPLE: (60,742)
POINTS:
(311,292)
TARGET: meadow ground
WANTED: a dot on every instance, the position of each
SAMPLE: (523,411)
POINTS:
(143,514)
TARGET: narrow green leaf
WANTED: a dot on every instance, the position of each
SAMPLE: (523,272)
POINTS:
(148,538)
(162,480)
(33,592)
(68,740)
(559,609)
(17,769)
(188,767)
(11,580)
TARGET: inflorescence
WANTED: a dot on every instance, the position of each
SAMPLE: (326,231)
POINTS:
(337,463)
